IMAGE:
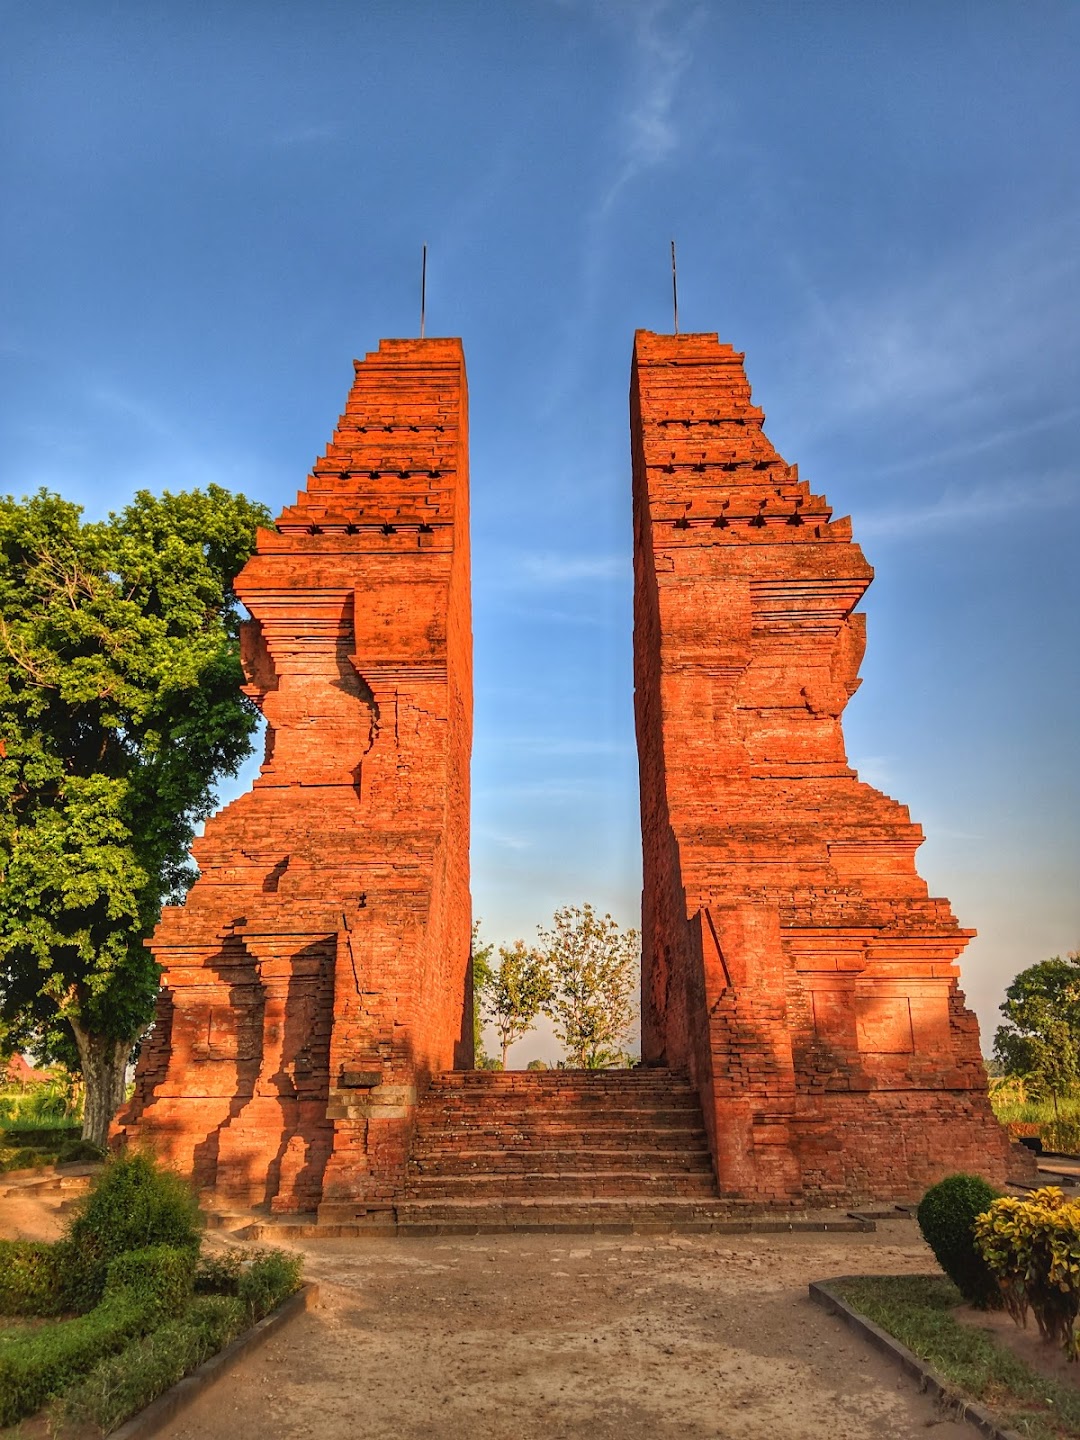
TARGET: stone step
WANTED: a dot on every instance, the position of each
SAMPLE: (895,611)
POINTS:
(635,1214)
(501,1162)
(562,1136)
(566,1115)
(539,1135)
(562,1183)
(523,1082)
(638,1074)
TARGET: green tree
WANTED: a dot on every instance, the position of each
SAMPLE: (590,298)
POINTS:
(594,968)
(120,709)
(1040,1040)
(480,964)
(519,988)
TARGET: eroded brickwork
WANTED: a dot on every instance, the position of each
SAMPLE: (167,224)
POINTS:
(317,974)
(793,959)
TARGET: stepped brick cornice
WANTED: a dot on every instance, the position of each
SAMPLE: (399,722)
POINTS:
(318,970)
(793,958)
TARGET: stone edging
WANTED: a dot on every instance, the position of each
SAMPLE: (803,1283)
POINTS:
(822,1293)
(167,1406)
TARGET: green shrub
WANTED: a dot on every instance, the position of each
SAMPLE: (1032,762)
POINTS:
(946,1217)
(133,1204)
(72,1151)
(1061,1136)
(261,1278)
(161,1276)
(22,1159)
(140,1288)
(219,1274)
(269,1279)
(120,1385)
(30,1279)
(39,1137)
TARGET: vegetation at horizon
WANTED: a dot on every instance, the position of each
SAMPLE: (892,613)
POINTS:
(582,974)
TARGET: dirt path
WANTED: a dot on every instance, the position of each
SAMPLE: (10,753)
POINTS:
(558,1337)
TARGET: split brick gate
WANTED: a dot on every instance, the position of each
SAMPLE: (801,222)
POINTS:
(804,1038)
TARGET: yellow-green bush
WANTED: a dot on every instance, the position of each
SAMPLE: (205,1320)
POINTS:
(1033,1247)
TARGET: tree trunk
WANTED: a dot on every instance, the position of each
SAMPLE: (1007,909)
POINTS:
(103,1062)
(505,1050)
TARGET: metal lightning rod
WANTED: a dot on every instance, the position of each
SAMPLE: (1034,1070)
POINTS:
(674,288)
(423,290)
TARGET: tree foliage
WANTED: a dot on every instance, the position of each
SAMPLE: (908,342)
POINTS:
(1040,1040)
(594,970)
(120,709)
(517,990)
(480,964)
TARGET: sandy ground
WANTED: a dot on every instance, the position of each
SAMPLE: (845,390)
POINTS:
(29,1210)
(563,1337)
(558,1337)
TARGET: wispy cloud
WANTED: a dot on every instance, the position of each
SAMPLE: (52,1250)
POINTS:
(544,790)
(648,134)
(645,134)
(981,445)
(548,568)
(876,770)
(983,504)
(484,834)
(954,335)
(314,133)
(546,745)
(540,569)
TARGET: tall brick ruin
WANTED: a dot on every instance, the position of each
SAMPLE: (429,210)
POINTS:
(793,960)
(318,972)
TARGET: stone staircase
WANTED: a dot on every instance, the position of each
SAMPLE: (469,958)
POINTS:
(517,1142)
(575,1151)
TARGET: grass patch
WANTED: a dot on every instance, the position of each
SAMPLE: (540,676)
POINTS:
(45,1105)
(1058,1125)
(916,1310)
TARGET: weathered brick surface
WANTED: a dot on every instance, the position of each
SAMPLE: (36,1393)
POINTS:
(318,972)
(569,1134)
(793,959)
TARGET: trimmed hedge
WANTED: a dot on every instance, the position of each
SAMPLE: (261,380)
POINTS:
(140,1289)
(122,1384)
(128,1267)
(946,1217)
(267,1281)
(39,1137)
(31,1279)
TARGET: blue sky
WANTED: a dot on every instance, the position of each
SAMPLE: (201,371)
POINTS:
(209,210)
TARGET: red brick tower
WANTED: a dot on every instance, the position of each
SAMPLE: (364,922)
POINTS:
(793,959)
(317,973)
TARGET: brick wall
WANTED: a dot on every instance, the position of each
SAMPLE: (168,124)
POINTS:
(316,975)
(793,958)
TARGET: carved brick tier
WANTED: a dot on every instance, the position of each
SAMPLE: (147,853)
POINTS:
(317,973)
(793,959)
